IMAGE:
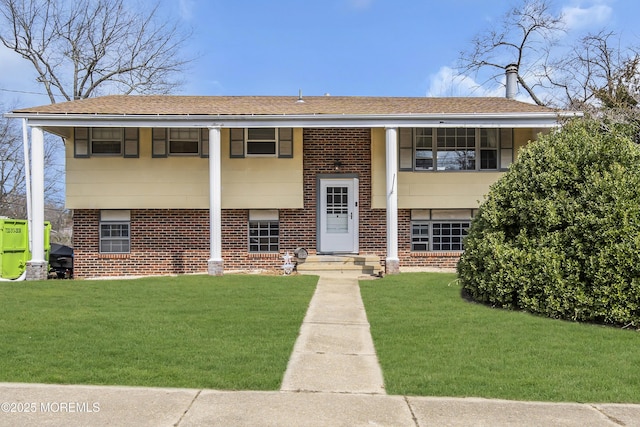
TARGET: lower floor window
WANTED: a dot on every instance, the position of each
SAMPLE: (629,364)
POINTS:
(438,236)
(419,236)
(264,236)
(114,237)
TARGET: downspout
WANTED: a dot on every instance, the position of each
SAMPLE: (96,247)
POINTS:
(27,174)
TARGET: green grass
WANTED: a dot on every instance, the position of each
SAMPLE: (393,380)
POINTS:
(431,342)
(231,332)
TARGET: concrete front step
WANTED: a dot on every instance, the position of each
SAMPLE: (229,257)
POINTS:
(366,264)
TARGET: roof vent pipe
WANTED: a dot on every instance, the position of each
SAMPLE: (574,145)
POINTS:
(512,81)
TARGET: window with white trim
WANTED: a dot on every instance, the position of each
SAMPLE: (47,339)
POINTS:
(261,142)
(180,142)
(439,230)
(115,236)
(105,141)
(264,231)
(454,149)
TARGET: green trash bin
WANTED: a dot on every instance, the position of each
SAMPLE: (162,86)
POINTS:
(14,246)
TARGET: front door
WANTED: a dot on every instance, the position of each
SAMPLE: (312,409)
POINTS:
(338,216)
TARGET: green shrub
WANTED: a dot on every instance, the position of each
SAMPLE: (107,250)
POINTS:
(559,233)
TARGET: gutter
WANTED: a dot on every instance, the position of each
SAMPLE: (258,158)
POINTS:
(304,120)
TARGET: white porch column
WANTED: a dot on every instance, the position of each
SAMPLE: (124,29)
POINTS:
(37,266)
(215,264)
(392,261)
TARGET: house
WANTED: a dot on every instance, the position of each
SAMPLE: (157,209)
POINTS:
(195,184)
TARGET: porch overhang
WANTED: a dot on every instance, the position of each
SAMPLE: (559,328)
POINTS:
(59,123)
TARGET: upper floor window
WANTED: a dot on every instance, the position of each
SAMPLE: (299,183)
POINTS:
(455,149)
(106,141)
(180,142)
(261,141)
(267,142)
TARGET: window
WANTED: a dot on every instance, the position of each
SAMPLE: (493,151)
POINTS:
(184,141)
(266,142)
(439,230)
(180,142)
(114,237)
(261,141)
(424,149)
(264,236)
(438,236)
(447,236)
(454,149)
(106,142)
(236,143)
(264,231)
(419,236)
(114,232)
(506,148)
(488,148)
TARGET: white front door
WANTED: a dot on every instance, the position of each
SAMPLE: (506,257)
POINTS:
(338,216)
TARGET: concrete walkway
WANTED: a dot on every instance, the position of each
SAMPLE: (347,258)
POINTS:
(334,351)
(333,379)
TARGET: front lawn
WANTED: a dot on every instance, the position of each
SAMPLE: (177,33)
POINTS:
(231,332)
(431,342)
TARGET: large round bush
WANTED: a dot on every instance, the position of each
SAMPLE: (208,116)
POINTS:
(559,233)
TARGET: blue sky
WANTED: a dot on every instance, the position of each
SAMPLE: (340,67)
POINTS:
(340,47)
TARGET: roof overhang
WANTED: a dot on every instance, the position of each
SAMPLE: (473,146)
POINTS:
(493,120)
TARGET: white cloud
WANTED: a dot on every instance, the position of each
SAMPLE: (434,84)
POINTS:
(580,17)
(360,4)
(186,9)
(447,82)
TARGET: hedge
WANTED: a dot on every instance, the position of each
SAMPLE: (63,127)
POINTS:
(559,233)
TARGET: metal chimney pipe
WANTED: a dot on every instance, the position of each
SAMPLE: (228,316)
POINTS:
(512,81)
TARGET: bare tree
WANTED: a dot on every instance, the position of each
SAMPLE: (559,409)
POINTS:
(523,39)
(83,48)
(79,49)
(12,167)
(596,73)
(12,180)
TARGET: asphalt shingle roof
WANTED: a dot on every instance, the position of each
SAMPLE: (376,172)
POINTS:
(284,105)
